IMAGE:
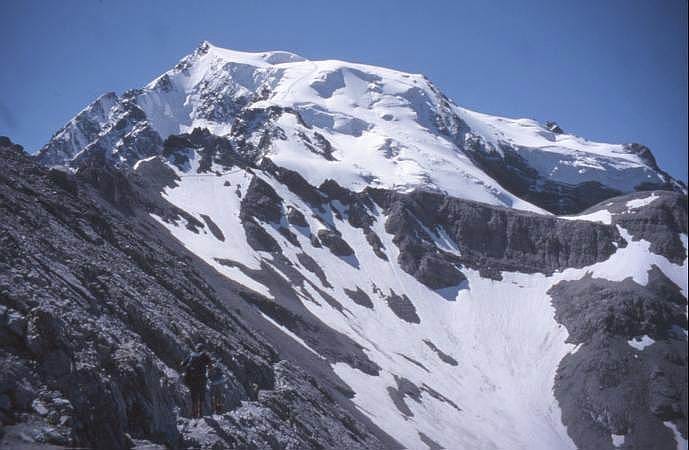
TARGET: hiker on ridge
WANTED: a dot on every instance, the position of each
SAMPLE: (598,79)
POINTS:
(194,367)
(218,383)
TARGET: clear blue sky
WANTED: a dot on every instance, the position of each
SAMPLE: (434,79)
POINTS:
(612,70)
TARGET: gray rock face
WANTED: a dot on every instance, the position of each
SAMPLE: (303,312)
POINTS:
(490,238)
(286,418)
(110,182)
(210,148)
(114,128)
(84,129)
(609,387)
(376,244)
(335,243)
(296,217)
(660,222)
(100,305)
(554,127)
(294,182)
(436,273)
(262,202)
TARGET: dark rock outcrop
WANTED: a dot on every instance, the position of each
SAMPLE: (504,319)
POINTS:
(444,357)
(609,387)
(296,218)
(490,238)
(660,221)
(261,201)
(334,242)
(402,307)
(294,182)
(554,127)
(210,149)
(359,297)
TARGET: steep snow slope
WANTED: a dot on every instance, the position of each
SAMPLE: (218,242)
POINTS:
(359,125)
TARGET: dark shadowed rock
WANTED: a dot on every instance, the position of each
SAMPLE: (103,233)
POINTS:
(295,217)
(491,238)
(287,234)
(109,181)
(404,389)
(261,201)
(294,182)
(444,357)
(359,297)
(554,127)
(438,273)
(432,445)
(312,266)
(376,244)
(258,238)
(402,307)
(660,222)
(334,242)
(438,396)
(63,179)
(214,229)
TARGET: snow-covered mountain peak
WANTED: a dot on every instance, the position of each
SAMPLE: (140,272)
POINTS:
(359,125)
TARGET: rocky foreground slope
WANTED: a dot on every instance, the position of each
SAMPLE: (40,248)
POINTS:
(98,306)
(373,265)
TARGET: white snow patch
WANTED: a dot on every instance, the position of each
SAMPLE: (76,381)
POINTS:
(681,442)
(640,202)
(617,439)
(142,161)
(641,342)
(602,215)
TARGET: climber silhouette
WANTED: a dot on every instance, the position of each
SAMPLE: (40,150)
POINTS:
(195,366)
(217,380)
